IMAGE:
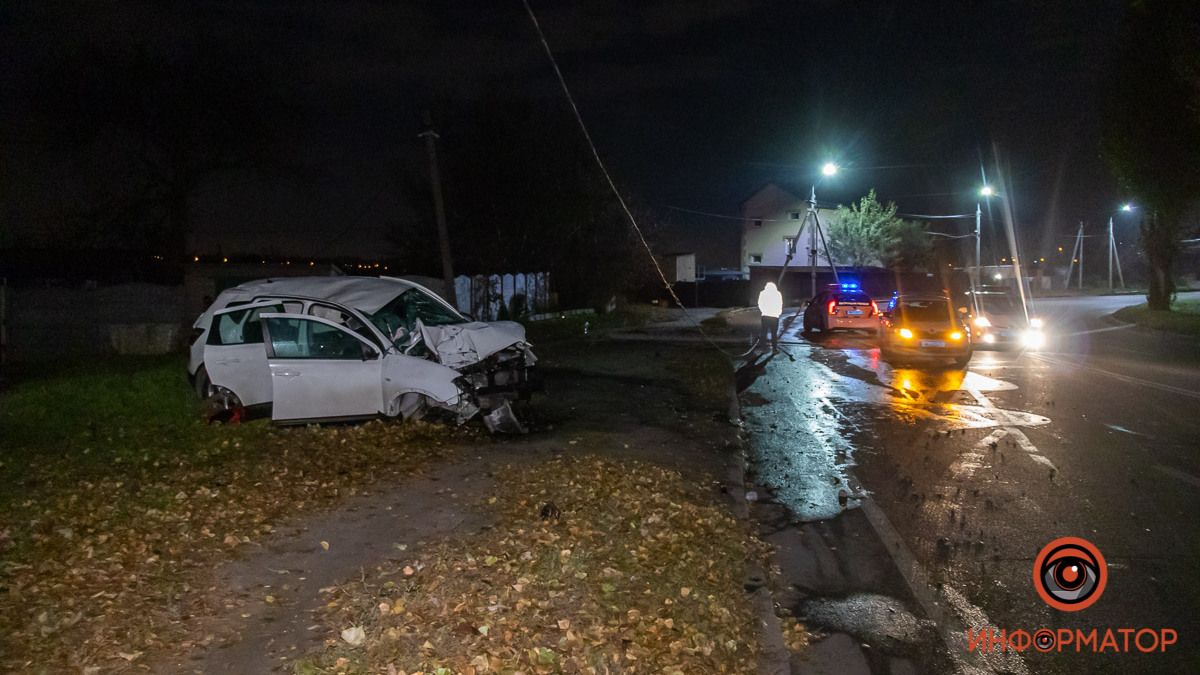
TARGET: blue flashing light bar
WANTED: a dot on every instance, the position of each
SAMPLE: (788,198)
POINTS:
(850,286)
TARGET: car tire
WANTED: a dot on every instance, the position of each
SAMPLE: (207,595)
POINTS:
(202,383)
(808,327)
(962,361)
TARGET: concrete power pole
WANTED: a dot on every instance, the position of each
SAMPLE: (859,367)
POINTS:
(439,209)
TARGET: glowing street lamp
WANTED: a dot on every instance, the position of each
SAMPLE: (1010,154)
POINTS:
(1127,207)
(828,170)
(987,191)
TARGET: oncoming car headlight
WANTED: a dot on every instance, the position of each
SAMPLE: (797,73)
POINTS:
(1033,339)
(982,322)
(905,333)
(1035,323)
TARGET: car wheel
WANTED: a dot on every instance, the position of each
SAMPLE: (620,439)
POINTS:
(202,384)
(962,361)
(808,327)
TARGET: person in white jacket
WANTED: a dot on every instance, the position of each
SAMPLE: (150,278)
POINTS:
(770,305)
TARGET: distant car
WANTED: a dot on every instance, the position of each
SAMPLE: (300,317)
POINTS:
(841,307)
(997,321)
(332,348)
(924,327)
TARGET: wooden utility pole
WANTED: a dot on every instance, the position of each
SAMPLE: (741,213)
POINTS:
(439,209)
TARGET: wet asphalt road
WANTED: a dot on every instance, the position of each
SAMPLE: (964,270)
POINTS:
(1096,436)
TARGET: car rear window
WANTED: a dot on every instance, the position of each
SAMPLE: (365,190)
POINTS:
(854,296)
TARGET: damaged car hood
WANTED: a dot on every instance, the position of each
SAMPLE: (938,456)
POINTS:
(462,344)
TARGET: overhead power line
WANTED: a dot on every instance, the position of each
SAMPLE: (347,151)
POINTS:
(608,177)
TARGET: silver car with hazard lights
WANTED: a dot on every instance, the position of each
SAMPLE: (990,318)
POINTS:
(998,322)
(841,307)
(924,328)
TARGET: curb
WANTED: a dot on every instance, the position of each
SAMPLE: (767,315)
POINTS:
(775,658)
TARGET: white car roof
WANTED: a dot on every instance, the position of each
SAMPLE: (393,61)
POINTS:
(366,294)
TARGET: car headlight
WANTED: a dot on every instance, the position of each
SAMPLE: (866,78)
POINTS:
(1035,323)
(905,333)
(988,338)
(956,335)
(982,322)
(1033,339)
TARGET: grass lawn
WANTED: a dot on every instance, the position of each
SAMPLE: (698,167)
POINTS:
(117,496)
(1184,317)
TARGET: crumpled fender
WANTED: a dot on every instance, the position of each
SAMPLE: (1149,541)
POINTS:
(462,344)
(403,374)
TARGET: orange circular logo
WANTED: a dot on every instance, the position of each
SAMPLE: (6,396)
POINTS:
(1070,574)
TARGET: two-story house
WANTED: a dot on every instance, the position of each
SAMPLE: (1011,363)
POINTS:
(771,219)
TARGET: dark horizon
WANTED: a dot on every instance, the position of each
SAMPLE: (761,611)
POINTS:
(693,105)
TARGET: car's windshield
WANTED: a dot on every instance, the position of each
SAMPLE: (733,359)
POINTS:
(398,318)
(924,310)
(996,304)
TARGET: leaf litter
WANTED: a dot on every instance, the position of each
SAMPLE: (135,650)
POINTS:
(640,572)
(102,564)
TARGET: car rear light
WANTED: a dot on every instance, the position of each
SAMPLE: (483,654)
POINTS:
(874,309)
(833,306)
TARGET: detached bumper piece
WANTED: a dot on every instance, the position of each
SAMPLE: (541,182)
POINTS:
(502,420)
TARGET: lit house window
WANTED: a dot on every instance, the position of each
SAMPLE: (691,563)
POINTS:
(795,215)
(756,258)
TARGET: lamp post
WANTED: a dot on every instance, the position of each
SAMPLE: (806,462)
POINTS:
(827,170)
(1112,249)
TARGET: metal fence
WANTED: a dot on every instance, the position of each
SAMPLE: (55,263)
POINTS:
(488,297)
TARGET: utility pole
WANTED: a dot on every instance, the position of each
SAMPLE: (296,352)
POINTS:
(812,242)
(1110,252)
(978,240)
(1080,237)
(439,209)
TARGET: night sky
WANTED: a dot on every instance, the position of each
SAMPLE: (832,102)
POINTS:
(693,103)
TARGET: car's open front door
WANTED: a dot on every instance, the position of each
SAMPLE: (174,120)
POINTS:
(321,370)
(234,355)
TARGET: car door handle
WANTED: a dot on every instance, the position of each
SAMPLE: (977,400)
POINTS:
(286,373)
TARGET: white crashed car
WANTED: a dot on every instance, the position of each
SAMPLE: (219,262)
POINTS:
(334,348)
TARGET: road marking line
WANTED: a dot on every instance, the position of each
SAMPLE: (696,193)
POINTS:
(1129,379)
(1014,432)
(1176,473)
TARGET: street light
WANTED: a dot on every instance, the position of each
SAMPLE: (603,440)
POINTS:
(828,169)
(1127,207)
(986,191)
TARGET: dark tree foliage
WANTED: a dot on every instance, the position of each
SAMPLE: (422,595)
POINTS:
(1152,135)
(140,128)
(523,194)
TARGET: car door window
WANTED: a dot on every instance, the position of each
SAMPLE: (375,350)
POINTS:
(342,317)
(299,338)
(240,327)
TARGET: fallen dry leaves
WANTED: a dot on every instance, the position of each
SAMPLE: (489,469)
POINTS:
(641,572)
(99,566)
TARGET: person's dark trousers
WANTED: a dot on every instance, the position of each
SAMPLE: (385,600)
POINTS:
(770,331)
